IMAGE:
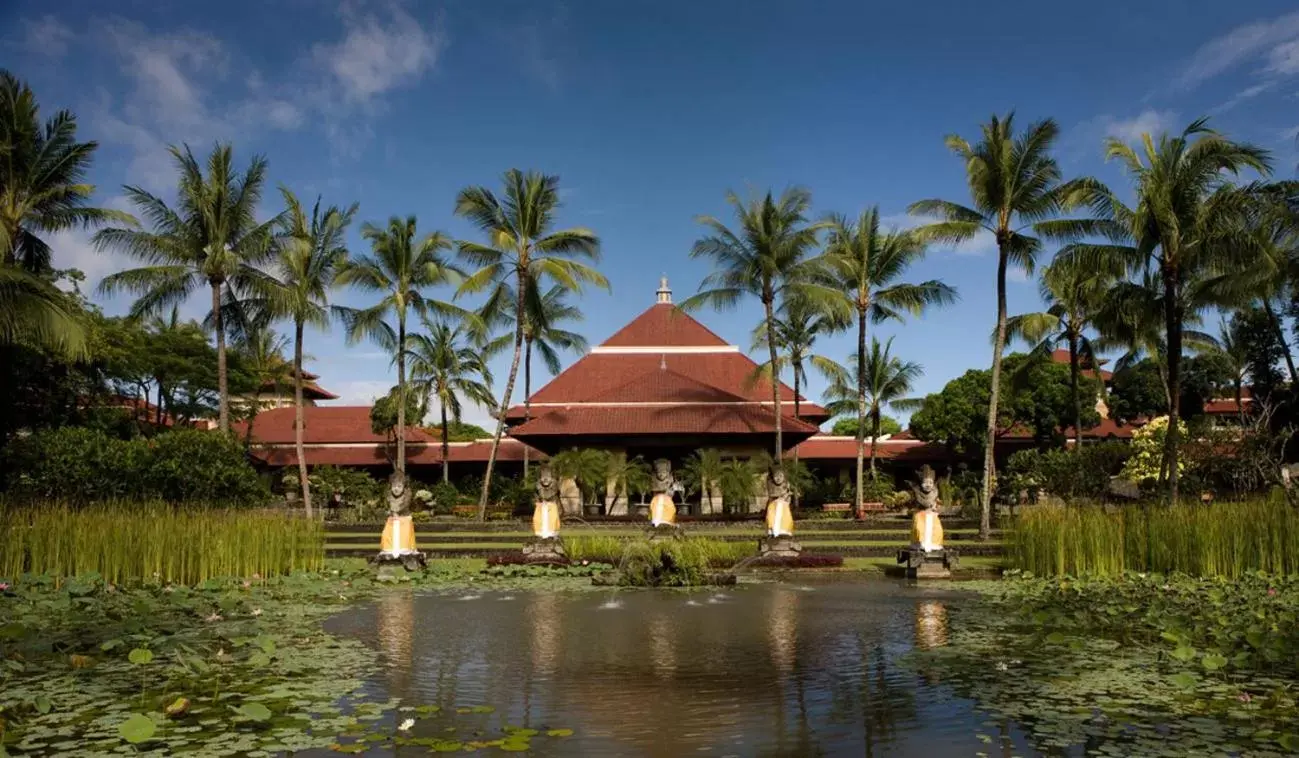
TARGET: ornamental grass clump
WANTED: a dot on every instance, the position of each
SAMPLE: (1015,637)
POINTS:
(125,543)
(1228,539)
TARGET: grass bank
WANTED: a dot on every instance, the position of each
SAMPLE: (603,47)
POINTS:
(1220,540)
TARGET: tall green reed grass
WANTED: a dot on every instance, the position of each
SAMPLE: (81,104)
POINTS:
(604,549)
(131,542)
(1227,539)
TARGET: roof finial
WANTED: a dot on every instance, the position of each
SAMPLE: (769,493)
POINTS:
(664,293)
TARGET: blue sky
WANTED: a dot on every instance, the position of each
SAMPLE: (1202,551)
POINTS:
(649,112)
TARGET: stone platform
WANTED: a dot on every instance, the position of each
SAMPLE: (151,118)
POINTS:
(545,550)
(783,546)
(394,566)
(664,532)
(932,564)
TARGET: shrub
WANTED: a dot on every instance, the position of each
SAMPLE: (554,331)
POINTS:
(358,489)
(876,489)
(669,563)
(1148,451)
(1066,473)
(84,465)
(445,496)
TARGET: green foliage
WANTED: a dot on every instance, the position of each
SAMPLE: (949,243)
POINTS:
(1227,539)
(445,497)
(125,543)
(83,465)
(459,431)
(1148,451)
(1066,473)
(1205,377)
(1137,392)
(878,488)
(356,486)
(1253,329)
(847,426)
(383,414)
(667,563)
(589,469)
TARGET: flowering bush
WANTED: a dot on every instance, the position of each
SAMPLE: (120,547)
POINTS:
(1148,451)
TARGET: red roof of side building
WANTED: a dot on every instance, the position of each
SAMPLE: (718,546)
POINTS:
(1062,356)
(1226,406)
(310,389)
(664,419)
(377,454)
(321,425)
(825,447)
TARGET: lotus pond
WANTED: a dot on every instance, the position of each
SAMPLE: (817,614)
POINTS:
(545,663)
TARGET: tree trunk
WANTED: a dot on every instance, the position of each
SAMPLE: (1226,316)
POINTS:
(861,404)
(527,396)
(797,367)
(446,447)
(223,392)
(1173,328)
(1240,404)
(505,399)
(775,374)
(875,433)
(1280,337)
(1073,390)
(998,346)
(401,392)
(299,422)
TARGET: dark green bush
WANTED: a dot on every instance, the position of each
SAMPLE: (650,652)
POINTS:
(85,465)
(445,497)
(1065,473)
(358,488)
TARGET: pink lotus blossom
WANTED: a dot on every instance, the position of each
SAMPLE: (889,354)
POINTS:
(1244,697)
(4,586)
(1271,591)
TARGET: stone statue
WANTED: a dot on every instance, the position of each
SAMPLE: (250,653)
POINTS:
(926,528)
(926,557)
(545,514)
(780,519)
(663,512)
(397,545)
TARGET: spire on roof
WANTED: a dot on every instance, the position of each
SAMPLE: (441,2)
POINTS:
(664,293)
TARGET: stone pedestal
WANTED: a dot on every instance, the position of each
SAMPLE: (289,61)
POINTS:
(932,564)
(782,546)
(394,566)
(664,532)
(544,550)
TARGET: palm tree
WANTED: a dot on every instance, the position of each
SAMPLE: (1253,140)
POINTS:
(262,356)
(798,325)
(212,237)
(1072,295)
(42,190)
(866,265)
(542,316)
(888,381)
(444,364)
(521,250)
(310,251)
(1235,352)
(1187,221)
(1014,187)
(401,267)
(702,473)
(1272,262)
(766,258)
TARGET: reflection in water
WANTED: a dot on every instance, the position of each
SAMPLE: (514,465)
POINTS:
(931,624)
(767,670)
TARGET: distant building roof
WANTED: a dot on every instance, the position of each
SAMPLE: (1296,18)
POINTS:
(1062,356)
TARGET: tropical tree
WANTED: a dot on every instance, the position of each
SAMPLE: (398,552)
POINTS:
(542,316)
(310,251)
(261,353)
(1271,261)
(798,325)
(402,265)
(866,265)
(445,364)
(888,381)
(767,257)
(702,474)
(628,476)
(1187,221)
(42,190)
(211,237)
(522,249)
(1072,295)
(1015,188)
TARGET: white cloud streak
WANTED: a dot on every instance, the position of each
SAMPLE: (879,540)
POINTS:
(46,36)
(1275,38)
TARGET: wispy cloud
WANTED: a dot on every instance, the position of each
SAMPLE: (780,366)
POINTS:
(46,36)
(379,53)
(1275,39)
(1087,138)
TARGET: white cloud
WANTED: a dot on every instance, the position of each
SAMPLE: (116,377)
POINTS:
(1284,58)
(982,243)
(1248,93)
(71,248)
(377,55)
(46,36)
(1239,45)
(1129,130)
(357,391)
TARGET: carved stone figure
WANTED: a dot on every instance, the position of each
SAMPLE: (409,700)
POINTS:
(926,558)
(398,495)
(545,513)
(780,519)
(397,549)
(663,512)
(926,491)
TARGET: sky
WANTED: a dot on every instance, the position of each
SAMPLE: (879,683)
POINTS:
(649,112)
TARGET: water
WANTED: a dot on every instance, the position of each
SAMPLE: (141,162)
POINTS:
(762,670)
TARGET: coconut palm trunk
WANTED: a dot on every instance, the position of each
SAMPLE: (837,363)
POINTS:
(1280,337)
(446,447)
(527,395)
(1173,327)
(775,376)
(875,434)
(299,420)
(223,392)
(520,290)
(861,406)
(401,392)
(998,347)
(1073,390)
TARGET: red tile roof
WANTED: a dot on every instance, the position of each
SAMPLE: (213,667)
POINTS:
(321,424)
(659,419)
(663,325)
(1062,356)
(1227,406)
(373,454)
(831,448)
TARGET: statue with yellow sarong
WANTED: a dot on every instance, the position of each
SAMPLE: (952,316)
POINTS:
(926,557)
(397,543)
(545,545)
(663,511)
(779,542)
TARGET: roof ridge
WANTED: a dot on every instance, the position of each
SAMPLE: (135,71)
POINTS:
(626,336)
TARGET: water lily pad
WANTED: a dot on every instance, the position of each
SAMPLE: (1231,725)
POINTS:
(140,656)
(351,747)
(253,712)
(1213,662)
(559,733)
(136,729)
